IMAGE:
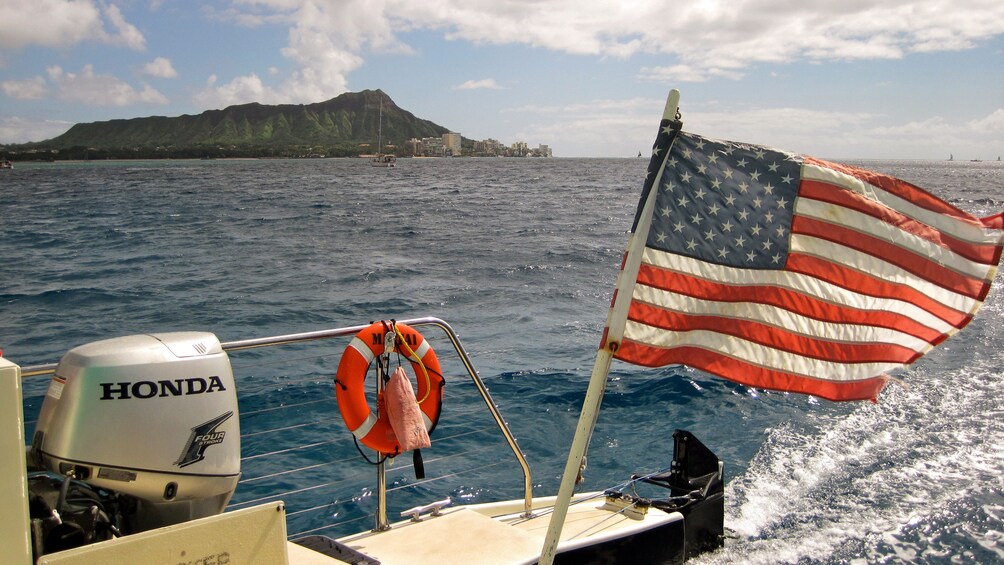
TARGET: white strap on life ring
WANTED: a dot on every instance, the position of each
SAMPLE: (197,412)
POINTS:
(364,429)
(362,349)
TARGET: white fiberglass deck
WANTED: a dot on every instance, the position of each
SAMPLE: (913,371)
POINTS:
(497,533)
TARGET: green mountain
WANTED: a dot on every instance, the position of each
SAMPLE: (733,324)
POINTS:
(348,123)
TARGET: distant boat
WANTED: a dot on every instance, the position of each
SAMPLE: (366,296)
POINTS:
(639,153)
(8,164)
(382,160)
(951,157)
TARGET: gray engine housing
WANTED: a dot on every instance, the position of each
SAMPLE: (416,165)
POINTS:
(150,416)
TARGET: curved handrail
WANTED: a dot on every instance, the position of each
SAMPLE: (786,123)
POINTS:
(46,369)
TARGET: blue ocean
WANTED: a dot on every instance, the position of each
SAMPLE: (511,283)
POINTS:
(520,256)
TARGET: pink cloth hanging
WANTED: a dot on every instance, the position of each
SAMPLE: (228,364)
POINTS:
(405,415)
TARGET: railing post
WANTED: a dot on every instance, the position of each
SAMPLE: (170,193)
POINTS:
(381,511)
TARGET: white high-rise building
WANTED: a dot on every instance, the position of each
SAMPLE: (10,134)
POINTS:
(451,144)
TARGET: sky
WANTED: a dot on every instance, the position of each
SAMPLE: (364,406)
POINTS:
(847,79)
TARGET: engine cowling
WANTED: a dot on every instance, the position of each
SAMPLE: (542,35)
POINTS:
(150,416)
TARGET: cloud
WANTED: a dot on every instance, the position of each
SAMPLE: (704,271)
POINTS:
(28,89)
(715,38)
(700,41)
(969,139)
(21,130)
(64,23)
(93,89)
(992,124)
(161,68)
(325,43)
(794,129)
(88,87)
(240,90)
(127,34)
(687,73)
(720,38)
(603,128)
(487,83)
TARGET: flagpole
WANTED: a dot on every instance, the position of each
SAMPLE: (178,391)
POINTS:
(616,320)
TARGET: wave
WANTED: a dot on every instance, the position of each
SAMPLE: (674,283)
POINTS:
(881,483)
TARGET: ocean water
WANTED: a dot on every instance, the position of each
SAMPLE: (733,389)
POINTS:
(520,257)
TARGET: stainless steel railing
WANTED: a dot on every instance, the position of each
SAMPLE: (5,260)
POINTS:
(288,339)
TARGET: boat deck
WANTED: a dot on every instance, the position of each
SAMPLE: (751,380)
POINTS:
(480,534)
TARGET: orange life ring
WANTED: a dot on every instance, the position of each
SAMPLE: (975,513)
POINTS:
(376,432)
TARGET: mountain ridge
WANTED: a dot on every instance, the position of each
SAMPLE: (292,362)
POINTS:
(348,123)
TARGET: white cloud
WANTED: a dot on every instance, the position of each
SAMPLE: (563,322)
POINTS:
(326,42)
(992,124)
(240,90)
(820,133)
(700,41)
(715,37)
(967,140)
(28,89)
(127,34)
(487,83)
(64,23)
(20,130)
(87,87)
(604,128)
(160,67)
(687,73)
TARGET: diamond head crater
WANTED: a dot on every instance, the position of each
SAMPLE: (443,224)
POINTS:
(352,124)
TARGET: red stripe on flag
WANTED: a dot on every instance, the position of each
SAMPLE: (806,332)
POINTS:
(871,286)
(747,374)
(996,222)
(897,187)
(901,257)
(786,299)
(824,192)
(774,337)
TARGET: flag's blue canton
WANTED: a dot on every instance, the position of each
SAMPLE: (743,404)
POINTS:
(726,203)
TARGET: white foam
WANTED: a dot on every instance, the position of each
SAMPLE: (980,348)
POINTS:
(894,480)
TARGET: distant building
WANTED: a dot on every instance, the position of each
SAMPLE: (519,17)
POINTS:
(413,146)
(431,147)
(451,144)
(487,148)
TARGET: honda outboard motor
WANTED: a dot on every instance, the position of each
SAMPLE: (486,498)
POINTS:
(136,433)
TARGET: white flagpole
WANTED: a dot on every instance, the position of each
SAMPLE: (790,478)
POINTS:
(616,320)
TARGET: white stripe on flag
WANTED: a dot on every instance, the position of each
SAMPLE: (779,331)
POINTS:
(756,354)
(793,281)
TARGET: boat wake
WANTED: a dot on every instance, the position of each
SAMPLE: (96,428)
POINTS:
(916,477)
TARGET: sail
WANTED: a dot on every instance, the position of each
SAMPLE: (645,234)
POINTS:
(785,272)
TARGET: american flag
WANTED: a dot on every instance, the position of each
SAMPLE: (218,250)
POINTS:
(785,272)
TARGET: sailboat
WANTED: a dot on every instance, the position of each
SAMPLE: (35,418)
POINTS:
(381,160)
(136,450)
